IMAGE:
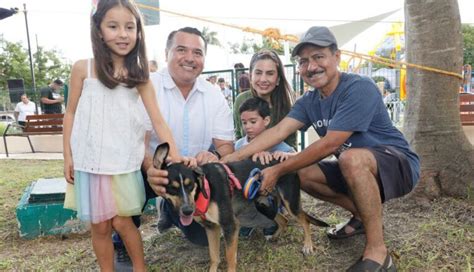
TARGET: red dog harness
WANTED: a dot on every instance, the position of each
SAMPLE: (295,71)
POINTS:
(202,203)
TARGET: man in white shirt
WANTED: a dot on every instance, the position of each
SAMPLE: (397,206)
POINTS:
(23,109)
(198,116)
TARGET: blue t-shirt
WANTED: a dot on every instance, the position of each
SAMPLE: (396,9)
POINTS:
(356,105)
(284,147)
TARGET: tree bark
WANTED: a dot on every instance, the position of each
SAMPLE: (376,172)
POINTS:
(432,124)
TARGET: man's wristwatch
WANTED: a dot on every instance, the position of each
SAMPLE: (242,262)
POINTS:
(217,154)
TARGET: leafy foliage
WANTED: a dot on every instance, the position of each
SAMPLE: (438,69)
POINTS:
(210,36)
(14,64)
(468,39)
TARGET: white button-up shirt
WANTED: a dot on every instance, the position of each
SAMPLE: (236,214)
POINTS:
(194,122)
(25,110)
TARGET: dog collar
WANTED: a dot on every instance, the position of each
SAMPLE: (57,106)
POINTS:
(252,184)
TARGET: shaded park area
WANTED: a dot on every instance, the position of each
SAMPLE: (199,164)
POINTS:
(438,235)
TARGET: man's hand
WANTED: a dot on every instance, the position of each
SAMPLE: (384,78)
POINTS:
(204,157)
(189,161)
(158,179)
(229,158)
(270,177)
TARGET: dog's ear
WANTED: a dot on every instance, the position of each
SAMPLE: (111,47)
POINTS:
(200,180)
(160,155)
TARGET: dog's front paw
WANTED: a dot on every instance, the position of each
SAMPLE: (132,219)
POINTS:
(308,250)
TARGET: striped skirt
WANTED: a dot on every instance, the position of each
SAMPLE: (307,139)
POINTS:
(98,198)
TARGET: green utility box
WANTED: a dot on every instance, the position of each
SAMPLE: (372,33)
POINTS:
(40,210)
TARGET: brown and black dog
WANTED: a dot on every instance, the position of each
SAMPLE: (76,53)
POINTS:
(186,185)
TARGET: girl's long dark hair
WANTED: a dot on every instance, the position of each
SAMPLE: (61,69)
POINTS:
(136,62)
(282,96)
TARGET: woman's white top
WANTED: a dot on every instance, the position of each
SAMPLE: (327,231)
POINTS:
(108,132)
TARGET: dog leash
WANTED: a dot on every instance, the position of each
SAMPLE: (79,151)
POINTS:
(234,182)
(252,184)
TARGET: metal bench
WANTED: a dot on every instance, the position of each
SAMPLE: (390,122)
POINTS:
(41,124)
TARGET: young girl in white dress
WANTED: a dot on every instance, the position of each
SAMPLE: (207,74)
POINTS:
(104,133)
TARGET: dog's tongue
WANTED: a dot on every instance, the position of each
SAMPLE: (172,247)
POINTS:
(186,220)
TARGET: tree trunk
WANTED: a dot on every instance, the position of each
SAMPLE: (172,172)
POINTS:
(432,124)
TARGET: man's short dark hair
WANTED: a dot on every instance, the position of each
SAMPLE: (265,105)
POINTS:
(58,82)
(190,30)
(256,104)
(221,79)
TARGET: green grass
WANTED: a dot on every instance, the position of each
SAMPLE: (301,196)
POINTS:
(3,126)
(45,253)
(434,237)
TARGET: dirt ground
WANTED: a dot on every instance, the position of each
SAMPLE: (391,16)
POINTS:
(434,236)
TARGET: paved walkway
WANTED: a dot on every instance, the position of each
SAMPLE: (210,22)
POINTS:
(48,147)
(33,156)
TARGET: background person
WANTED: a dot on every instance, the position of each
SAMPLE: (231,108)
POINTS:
(374,161)
(51,99)
(23,109)
(153,66)
(225,90)
(244,83)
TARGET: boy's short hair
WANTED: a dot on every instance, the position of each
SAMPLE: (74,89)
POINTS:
(256,104)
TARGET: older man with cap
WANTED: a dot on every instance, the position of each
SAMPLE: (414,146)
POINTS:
(374,162)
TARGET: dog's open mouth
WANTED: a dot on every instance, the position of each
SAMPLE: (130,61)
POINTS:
(186,220)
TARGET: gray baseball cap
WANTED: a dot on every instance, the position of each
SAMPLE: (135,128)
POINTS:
(316,35)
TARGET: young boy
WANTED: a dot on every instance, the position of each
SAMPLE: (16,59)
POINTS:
(255,117)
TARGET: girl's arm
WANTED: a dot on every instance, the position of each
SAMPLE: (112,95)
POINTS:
(147,93)
(78,74)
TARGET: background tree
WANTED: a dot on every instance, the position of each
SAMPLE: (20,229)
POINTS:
(14,64)
(49,66)
(432,123)
(242,48)
(468,41)
(210,36)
